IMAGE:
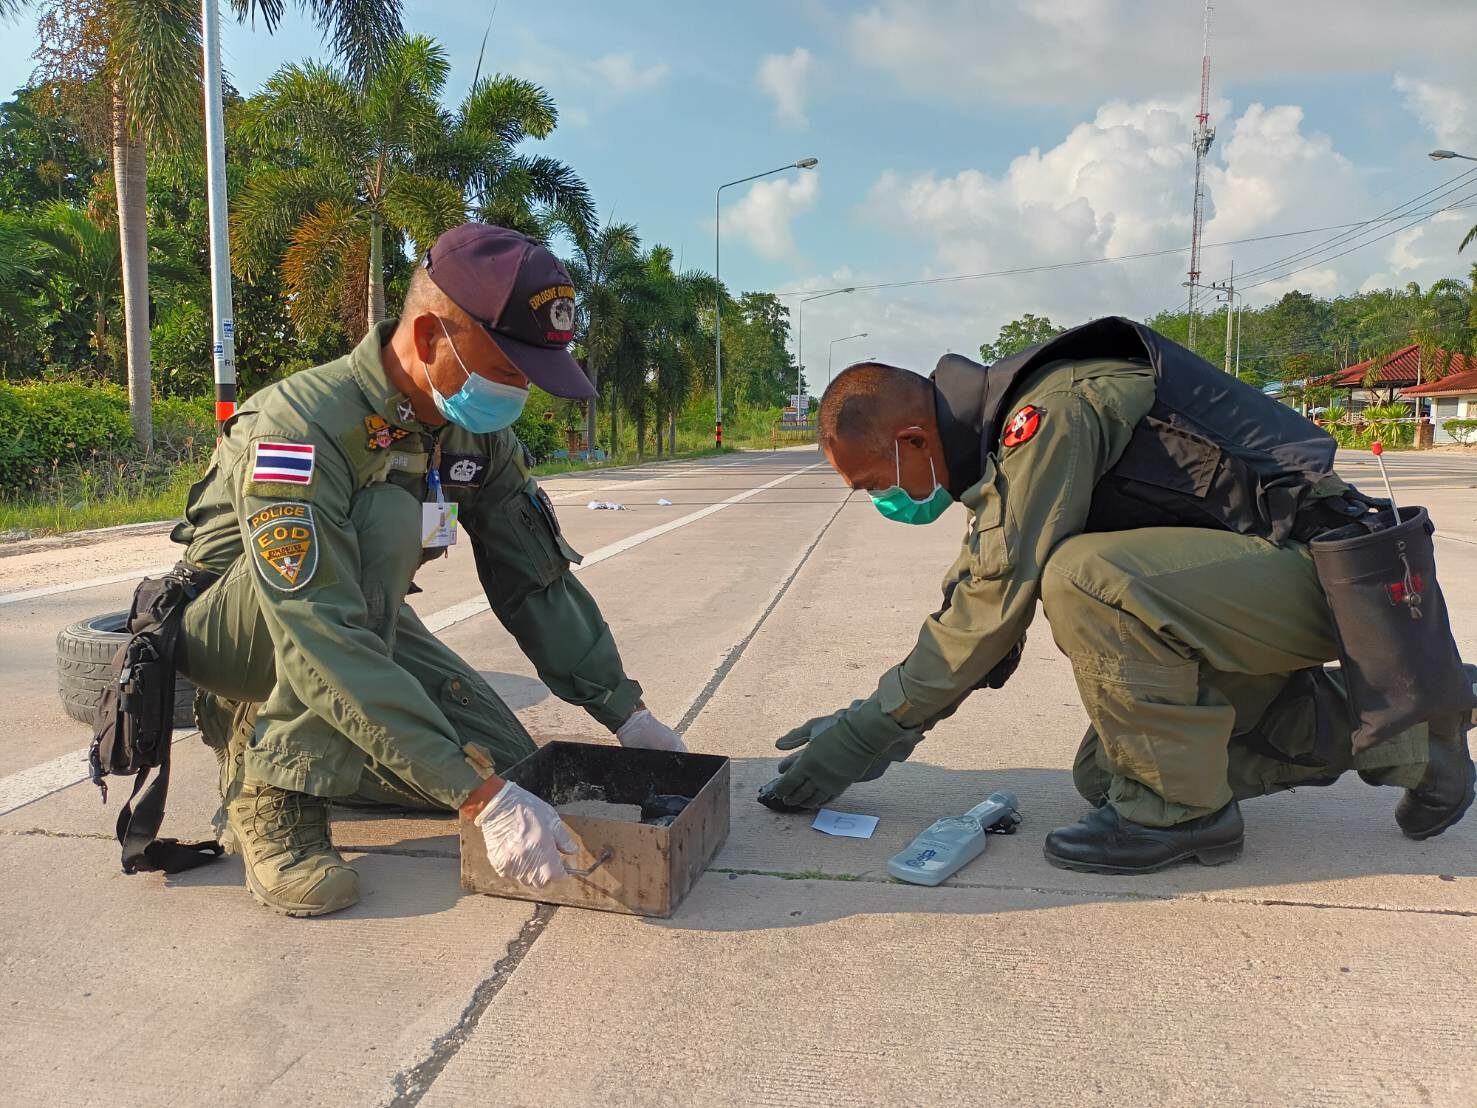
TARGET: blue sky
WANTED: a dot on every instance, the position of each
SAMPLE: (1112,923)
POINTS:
(958,136)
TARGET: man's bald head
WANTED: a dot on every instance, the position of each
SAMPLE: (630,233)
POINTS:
(877,422)
(869,402)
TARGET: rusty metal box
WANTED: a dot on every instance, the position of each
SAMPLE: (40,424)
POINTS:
(638,868)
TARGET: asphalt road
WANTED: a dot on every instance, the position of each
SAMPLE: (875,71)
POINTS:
(1334,963)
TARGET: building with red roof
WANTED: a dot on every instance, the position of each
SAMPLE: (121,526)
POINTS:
(1451,397)
(1407,375)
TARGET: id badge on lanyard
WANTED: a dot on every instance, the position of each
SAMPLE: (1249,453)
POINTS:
(438,518)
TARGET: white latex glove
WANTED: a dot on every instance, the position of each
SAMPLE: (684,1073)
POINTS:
(525,837)
(643,731)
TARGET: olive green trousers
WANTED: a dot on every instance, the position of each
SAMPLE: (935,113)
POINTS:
(1184,643)
(227,650)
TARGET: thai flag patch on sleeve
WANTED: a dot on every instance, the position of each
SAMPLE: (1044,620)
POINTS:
(283,462)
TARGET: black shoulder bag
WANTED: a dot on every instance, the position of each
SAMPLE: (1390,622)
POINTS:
(135,723)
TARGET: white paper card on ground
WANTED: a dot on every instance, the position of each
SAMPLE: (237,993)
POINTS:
(438,525)
(847,824)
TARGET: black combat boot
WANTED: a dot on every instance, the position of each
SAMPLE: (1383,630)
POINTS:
(1445,792)
(1105,842)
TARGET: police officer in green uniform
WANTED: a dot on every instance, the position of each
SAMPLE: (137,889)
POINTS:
(326,492)
(1159,512)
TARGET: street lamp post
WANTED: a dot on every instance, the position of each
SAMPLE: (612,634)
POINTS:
(800,336)
(803,163)
(832,347)
(1444,155)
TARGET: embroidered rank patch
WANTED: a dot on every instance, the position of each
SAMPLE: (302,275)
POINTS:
(380,434)
(285,544)
(1023,426)
(405,411)
(288,463)
(463,469)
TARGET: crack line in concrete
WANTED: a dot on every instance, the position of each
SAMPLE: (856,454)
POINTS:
(737,650)
(413,1084)
(1101,894)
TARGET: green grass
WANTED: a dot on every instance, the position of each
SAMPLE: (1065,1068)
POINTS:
(80,506)
(76,510)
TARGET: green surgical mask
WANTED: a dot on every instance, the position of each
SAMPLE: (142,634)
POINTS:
(896,504)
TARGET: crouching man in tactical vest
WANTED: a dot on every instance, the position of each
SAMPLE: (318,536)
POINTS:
(1160,511)
(327,492)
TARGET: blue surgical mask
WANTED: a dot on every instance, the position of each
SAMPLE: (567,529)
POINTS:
(898,505)
(479,405)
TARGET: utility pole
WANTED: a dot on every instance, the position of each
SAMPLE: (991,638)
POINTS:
(1204,135)
(223,341)
(1229,288)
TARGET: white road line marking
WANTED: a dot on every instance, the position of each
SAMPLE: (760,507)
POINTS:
(30,785)
(20,789)
(78,586)
(137,574)
(447,617)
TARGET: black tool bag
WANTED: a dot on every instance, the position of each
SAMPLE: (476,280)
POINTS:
(1400,661)
(135,723)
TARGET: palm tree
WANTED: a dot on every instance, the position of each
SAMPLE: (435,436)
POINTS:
(605,258)
(383,155)
(85,256)
(1437,320)
(532,194)
(137,64)
(678,340)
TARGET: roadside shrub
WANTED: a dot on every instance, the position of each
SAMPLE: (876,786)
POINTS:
(55,423)
(180,351)
(1464,431)
(184,427)
(1390,423)
(541,436)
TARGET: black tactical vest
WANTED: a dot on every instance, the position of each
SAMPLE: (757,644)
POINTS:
(1211,452)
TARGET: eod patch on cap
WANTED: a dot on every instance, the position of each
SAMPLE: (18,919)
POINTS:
(553,307)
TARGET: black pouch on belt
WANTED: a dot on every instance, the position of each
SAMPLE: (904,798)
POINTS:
(1399,660)
(135,723)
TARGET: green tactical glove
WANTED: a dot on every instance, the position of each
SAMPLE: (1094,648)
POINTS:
(855,744)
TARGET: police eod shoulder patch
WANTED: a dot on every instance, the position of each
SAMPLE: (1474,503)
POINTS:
(284,544)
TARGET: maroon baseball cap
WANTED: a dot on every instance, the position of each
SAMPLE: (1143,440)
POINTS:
(520,294)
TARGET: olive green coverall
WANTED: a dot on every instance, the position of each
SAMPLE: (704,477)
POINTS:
(307,636)
(1182,639)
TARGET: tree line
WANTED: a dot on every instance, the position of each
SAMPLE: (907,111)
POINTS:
(1302,336)
(341,172)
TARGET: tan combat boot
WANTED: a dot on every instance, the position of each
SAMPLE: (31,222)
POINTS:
(282,837)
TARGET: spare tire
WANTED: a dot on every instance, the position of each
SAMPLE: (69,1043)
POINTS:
(84,656)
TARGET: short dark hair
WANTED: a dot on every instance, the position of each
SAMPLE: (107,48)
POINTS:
(869,401)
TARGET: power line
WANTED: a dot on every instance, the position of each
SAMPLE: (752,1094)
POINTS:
(1448,186)
(1360,246)
(1391,215)
(1284,352)
(1081,262)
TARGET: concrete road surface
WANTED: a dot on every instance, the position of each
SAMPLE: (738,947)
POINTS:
(1335,963)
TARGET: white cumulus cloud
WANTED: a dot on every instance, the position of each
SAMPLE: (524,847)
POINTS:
(1119,184)
(1080,51)
(763,217)
(622,74)
(1445,110)
(784,77)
